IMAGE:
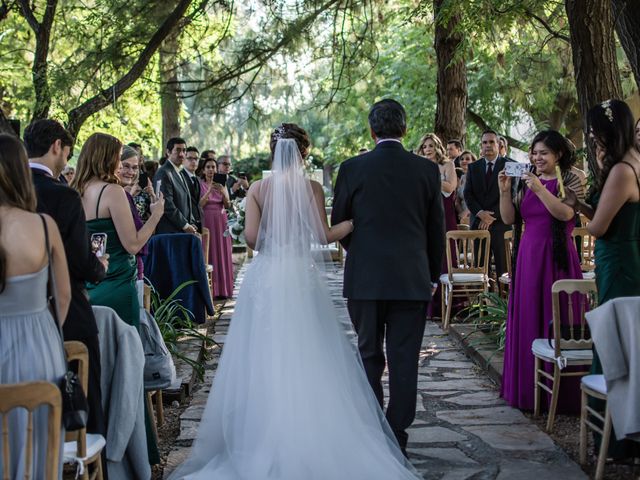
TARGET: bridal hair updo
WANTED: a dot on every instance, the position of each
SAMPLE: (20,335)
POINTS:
(293,131)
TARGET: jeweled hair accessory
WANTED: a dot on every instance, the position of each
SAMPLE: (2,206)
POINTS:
(279,132)
(607,110)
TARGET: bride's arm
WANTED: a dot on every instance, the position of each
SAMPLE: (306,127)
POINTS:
(336,232)
(252,216)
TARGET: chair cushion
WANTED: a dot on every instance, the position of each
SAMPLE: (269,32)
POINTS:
(95,443)
(464,278)
(589,275)
(595,382)
(541,348)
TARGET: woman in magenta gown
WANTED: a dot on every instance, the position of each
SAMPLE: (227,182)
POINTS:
(215,199)
(544,253)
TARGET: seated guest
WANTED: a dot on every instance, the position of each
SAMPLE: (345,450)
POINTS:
(48,145)
(30,346)
(545,253)
(214,201)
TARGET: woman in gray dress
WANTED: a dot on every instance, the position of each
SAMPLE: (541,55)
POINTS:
(30,347)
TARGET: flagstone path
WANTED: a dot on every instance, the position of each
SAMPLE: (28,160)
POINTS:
(462,430)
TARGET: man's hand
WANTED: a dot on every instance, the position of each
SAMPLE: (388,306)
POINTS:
(486,219)
(189,229)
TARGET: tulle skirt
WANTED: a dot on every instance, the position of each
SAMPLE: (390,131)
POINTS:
(290,400)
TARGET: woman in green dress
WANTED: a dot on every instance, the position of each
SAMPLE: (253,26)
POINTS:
(108,212)
(614,210)
(107,209)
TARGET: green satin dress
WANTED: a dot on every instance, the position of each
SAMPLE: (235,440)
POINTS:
(617,258)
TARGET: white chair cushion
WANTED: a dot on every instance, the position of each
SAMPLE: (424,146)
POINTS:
(464,278)
(541,348)
(595,382)
(589,275)
(95,443)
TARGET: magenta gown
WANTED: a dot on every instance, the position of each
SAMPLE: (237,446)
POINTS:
(530,305)
(220,249)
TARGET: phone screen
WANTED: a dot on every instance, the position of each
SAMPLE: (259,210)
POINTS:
(99,244)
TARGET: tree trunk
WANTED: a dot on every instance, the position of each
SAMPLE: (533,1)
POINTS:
(169,101)
(451,89)
(107,96)
(5,126)
(594,55)
(627,21)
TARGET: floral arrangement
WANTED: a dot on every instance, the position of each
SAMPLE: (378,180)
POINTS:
(235,214)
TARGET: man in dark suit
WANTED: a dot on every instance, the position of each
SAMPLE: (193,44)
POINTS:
(178,215)
(394,256)
(48,145)
(189,167)
(483,197)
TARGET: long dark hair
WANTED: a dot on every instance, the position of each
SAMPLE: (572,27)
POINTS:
(612,124)
(565,151)
(16,186)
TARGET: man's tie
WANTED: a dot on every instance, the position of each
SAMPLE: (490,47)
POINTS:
(488,175)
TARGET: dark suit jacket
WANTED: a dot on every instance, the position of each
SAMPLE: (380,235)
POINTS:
(64,206)
(177,200)
(479,195)
(195,191)
(240,193)
(395,251)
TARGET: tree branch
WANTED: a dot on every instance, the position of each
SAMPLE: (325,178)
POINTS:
(78,115)
(547,27)
(27,13)
(483,125)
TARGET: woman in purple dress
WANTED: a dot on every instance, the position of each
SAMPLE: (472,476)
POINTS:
(431,148)
(543,254)
(215,198)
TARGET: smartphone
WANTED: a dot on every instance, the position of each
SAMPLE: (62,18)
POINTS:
(143,179)
(220,178)
(99,244)
(158,185)
(513,169)
(242,175)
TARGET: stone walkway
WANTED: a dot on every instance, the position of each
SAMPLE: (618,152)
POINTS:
(463,430)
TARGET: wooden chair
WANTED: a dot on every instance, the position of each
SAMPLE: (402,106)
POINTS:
(80,447)
(594,386)
(586,243)
(157,394)
(206,239)
(571,343)
(463,227)
(471,276)
(504,280)
(30,396)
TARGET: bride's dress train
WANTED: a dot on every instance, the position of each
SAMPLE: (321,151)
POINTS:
(290,400)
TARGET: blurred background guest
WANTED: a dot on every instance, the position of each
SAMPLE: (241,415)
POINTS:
(465,158)
(30,346)
(68,173)
(545,253)
(214,201)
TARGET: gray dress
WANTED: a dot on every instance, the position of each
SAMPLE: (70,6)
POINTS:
(30,350)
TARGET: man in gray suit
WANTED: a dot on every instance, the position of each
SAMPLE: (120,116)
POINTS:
(178,215)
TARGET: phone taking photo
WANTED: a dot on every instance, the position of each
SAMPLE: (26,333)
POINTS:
(99,244)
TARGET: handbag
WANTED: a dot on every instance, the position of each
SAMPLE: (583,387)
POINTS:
(75,408)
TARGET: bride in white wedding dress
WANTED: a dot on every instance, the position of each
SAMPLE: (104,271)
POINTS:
(290,400)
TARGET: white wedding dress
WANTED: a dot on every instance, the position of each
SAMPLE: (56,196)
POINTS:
(290,400)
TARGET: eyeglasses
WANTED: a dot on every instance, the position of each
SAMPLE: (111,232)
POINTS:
(226,164)
(133,168)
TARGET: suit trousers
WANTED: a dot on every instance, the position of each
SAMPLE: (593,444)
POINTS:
(497,247)
(401,323)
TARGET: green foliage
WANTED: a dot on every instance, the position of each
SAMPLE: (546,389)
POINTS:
(488,314)
(176,324)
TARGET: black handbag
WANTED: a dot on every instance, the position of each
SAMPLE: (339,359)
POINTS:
(75,408)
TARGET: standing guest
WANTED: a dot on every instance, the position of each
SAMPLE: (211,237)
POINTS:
(614,209)
(237,186)
(189,167)
(454,150)
(462,210)
(178,216)
(482,196)
(138,148)
(386,302)
(151,168)
(128,179)
(30,347)
(545,253)
(48,145)
(68,172)
(108,211)
(503,147)
(208,154)
(214,201)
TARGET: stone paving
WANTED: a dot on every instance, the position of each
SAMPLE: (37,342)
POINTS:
(462,430)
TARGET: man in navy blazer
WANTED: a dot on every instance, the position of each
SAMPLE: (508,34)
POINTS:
(483,197)
(394,256)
